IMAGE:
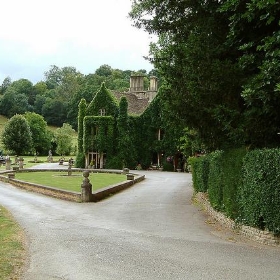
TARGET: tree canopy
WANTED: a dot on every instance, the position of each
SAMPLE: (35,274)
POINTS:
(17,136)
(56,98)
(219,61)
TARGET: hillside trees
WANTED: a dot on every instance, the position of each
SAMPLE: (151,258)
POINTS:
(57,97)
(219,60)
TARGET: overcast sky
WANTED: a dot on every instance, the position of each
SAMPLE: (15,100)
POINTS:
(85,34)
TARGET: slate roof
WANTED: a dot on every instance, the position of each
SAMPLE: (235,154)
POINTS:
(136,106)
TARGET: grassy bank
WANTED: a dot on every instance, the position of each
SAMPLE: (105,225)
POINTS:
(11,246)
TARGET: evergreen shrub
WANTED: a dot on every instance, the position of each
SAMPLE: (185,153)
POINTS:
(259,195)
(231,164)
(200,173)
(215,183)
(80,160)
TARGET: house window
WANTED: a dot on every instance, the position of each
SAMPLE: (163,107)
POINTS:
(102,112)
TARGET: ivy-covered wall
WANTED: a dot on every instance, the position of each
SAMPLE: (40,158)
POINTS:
(127,140)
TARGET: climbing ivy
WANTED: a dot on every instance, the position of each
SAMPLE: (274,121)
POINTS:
(103,100)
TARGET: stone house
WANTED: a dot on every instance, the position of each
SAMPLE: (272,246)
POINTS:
(99,127)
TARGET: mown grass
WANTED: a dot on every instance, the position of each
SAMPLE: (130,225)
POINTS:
(11,246)
(61,180)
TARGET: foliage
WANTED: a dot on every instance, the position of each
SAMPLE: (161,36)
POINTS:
(81,115)
(40,134)
(98,134)
(231,164)
(200,173)
(80,160)
(197,67)
(220,60)
(17,136)
(126,149)
(14,103)
(215,182)
(63,139)
(56,98)
(255,36)
(54,111)
(259,195)
(103,100)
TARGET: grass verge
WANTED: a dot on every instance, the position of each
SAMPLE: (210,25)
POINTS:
(72,183)
(11,246)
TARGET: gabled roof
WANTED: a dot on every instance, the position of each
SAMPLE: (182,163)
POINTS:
(136,106)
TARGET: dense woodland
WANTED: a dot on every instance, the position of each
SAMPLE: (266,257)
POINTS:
(56,98)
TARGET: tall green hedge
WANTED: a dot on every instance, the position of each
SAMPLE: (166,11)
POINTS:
(215,183)
(231,164)
(244,185)
(200,173)
(259,195)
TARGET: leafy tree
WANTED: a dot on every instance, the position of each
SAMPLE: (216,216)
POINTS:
(63,139)
(40,135)
(6,83)
(104,70)
(255,35)
(54,111)
(197,67)
(14,103)
(220,61)
(17,136)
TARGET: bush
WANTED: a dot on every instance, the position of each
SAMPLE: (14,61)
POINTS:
(200,173)
(168,166)
(232,178)
(80,160)
(259,195)
(215,183)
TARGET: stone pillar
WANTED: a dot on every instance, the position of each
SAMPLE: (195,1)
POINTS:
(86,188)
(153,83)
(8,164)
(136,83)
(20,163)
(70,163)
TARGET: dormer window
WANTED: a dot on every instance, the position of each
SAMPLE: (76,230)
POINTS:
(102,112)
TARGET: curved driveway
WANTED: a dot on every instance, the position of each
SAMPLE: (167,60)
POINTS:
(150,231)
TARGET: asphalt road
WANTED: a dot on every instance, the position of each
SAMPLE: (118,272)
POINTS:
(150,231)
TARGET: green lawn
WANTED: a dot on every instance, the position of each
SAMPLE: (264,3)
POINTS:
(11,248)
(61,180)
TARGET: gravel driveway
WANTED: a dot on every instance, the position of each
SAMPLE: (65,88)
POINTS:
(150,231)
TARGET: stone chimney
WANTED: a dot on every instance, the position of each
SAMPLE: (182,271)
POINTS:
(153,83)
(136,83)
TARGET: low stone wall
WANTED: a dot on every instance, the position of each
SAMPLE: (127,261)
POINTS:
(107,191)
(69,195)
(53,192)
(261,236)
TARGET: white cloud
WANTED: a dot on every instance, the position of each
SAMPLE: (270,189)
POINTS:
(81,33)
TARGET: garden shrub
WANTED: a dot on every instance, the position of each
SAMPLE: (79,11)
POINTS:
(80,160)
(200,172)
(259,195)
(231,164)
(215,184)
(168,166)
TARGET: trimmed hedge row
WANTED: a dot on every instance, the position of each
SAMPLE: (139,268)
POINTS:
(244,185)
